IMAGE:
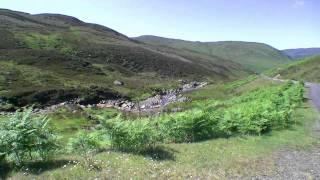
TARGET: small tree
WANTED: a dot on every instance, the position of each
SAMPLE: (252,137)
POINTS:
(25,137)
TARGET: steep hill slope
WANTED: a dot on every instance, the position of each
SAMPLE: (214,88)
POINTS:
(257,57)
(47,58)
(301,52)
(305,70)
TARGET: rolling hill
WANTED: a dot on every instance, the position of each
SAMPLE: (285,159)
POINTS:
(256,57)
(301,52)
(49,58)
(305,70)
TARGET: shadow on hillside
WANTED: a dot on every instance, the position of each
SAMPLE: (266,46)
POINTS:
(35,168)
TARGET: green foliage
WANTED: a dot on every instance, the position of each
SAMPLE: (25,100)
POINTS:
(25,137)
(47,42)
(250,114)
(132,135)
(84,143)
(234,155)
(188,126)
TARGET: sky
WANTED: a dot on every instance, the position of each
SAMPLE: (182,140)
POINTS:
(280,23)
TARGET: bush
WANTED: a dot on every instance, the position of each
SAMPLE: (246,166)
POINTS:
(25,137)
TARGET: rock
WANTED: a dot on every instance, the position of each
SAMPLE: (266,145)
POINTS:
(124,105)
(118,83)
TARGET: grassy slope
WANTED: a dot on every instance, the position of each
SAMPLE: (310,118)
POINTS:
(41,53)
(306,70)
(254,56)
(214,159)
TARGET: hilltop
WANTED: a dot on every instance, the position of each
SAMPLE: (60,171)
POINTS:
(256,57)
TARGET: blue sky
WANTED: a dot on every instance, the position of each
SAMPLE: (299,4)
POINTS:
(280,23)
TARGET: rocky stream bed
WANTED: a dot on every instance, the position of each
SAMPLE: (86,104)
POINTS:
(153,103)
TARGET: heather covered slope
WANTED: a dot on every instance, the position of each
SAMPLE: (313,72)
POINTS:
(50,57)
(257,57)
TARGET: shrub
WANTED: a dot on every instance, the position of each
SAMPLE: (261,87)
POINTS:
(25,137)
(135,136)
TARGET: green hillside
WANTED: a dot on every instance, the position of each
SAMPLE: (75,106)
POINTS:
(48,58)
(306,70)
(257,57)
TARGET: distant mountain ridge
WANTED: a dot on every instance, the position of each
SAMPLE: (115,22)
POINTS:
(257,57)
(301,52)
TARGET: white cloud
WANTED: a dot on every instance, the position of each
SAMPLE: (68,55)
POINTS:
(298,3)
